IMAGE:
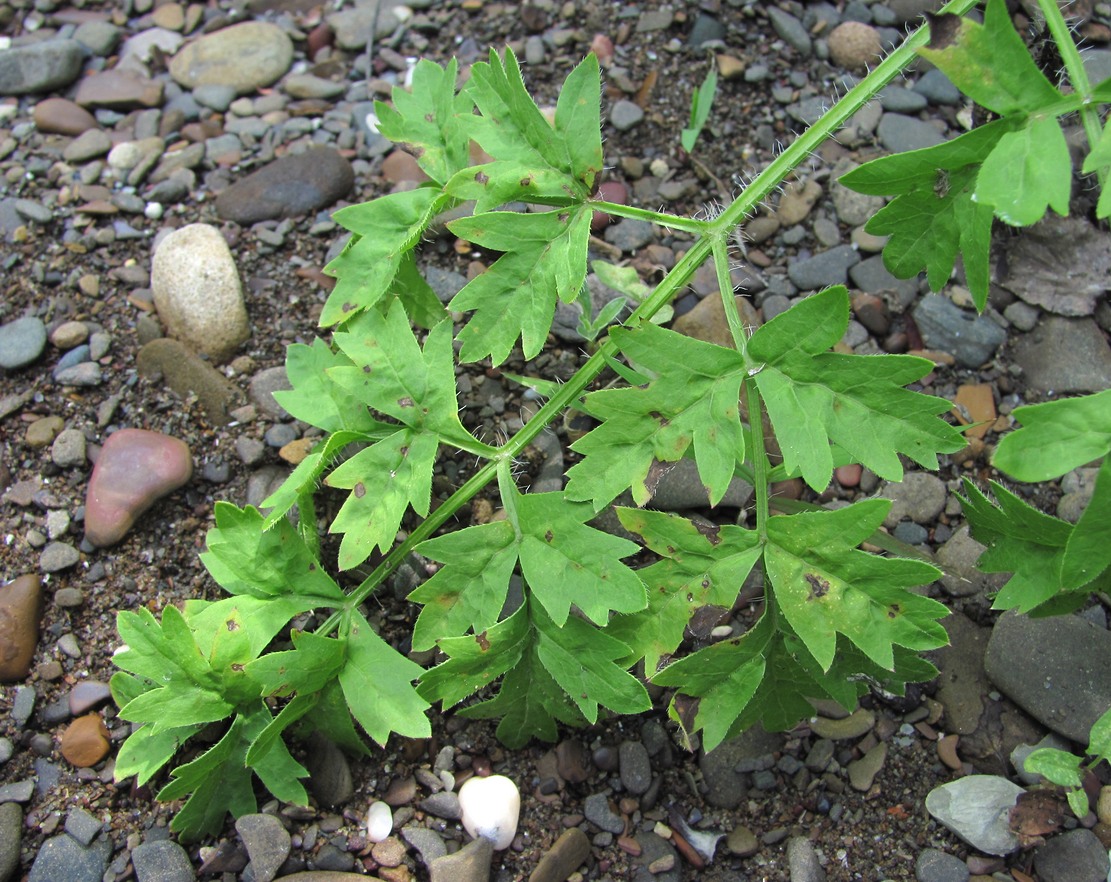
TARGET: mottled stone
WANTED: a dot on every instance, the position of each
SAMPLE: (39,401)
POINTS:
(40,67)
(247,56)
(187,374)
(135,468)
(197,291)
(564,857)
(119,90)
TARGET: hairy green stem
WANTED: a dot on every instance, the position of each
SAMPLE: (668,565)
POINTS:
(673,221)
(728,300)
(1070,55)
(776,172)
(759,457)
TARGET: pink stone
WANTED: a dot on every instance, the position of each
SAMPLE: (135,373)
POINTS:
(135,469)
(610,191)
(848,475)
(118,90)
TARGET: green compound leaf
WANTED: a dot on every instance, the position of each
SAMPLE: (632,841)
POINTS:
(246,559)
(262,617)
(377,683)
(1020,540)
(582,660)
(384,480)
(1056,437)
(1056,766)
(825,586)
(469,590)
(316,398)
(990,62)
(389,371)
(544,259)
(700,567)
(432,117)
(565,563)
(215,783)
(145,751)
(188,689)
(475,662)
(1088,552)
(856,402)
(695,400)
(1027,171)
(512,128)
(385,231)
(312,663)
(272,761)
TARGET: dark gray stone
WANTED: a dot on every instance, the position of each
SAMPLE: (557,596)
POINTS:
(1076,856)
(636,769)
(790,29)
(937,88)
(597,809)
(162,861)
(725,785)
(652,848)
(706,29)
(428,843)
(470,864)
(970,338)
(444,804)
(896,99)
(625,114)
(21,341)
(294,185)
(872,276)
(63,858)
(803,861)
(11,831)
(822,270)
(1065,355)
(630,235)
(40,67)
(1057,669)
(267,843)
(900,133)
(82,826)
(329,772)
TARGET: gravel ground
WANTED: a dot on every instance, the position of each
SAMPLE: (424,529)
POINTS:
(840,799)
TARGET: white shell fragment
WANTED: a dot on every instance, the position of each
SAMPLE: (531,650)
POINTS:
(490,809)
(379,822)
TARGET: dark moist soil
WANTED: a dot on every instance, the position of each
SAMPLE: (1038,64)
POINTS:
(867,836)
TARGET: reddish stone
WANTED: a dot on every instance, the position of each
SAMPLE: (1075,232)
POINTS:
(20,613)
(118,90)
(610,191)
(85,741)
(320,37)
(400,166)
(60,116)
(848,475)
(134,470)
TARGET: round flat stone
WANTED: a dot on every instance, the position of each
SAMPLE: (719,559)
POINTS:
(135,468)
(85,741)
(245,56)
(21,341)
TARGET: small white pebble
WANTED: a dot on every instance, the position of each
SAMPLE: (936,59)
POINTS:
(153,211)
(379,821)
(491,807)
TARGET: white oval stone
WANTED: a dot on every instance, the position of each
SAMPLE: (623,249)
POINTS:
(379,822)
(491,807)
(197,291)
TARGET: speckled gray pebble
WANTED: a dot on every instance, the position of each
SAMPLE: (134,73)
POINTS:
(68,449)
(162,860)
(900,133)
(597,809)
(428,843)
(827,268)
(625,114)
(58,556)
(21,342)
(790,29)
(11,829)
(636,769)
(88,373)
(40,67)
(62,857)
(920,496)
(81,825)
(937,866)
(1075,856)
(802,861)
(444,804)
(970,338)
(267,843)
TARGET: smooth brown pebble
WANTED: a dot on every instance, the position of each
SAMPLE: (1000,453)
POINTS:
(85,741)
(20,613)
(42,432)
(60,116)
(70,334)
(947,752)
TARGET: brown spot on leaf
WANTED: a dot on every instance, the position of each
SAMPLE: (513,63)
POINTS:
(482,641)
(348,307)
(236,666)
(367,369)
(526,181)
(548,536)
(710,531)
(944,29)
(564,217)
(686,709)
(359,490)
(430,117)
(405,401)
(482,178)
(894,610)
(233,625)
(819,587)
(404,451)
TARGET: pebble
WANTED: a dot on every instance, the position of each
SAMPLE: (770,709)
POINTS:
(1075,856)
(937,866)
(597,809)
(625,115)
(43,431)
(900,133)
(790,29)
(162,860)
(379,821)
(445,804)
(920,496)
(330,777)
(976,808)
(957,558)
(294,185)
(245,56)
(63,857)
(862,772)
(85,741)
(60,116)
(87,694)
(488,807)
(854,725)
(21,342)
(822,270)
(470,864)
(58,556)
(855,45)
(970,338)
(427,843)
(21,608)
(803,862)
(197,291)
(40,67)
(1065,355)
(938,88)
(657,851)
(565,856)
(135,468)
(1057,669)
(189,375)
(742,842)
(630,235)
(11,831)
(118,90)
(68,449)
(636,769)
(267,843)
